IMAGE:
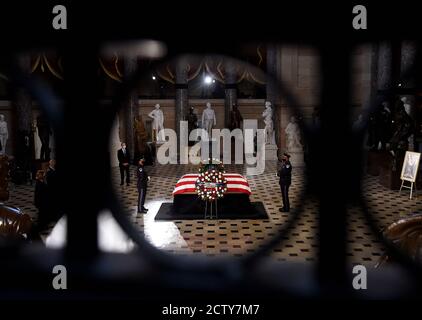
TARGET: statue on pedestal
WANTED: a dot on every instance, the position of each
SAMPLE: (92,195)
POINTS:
(235,118)
(293,136)
(157,124)
(269,125)
(4,134)
(208,119)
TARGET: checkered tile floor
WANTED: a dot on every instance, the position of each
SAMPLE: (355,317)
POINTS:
(240,237)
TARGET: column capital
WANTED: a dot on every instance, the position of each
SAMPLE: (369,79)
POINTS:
(407,62)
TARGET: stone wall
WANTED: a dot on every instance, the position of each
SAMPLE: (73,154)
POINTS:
(300,74)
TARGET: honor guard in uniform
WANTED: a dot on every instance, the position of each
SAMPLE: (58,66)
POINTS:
(124,158)
(285,175)
(142,185)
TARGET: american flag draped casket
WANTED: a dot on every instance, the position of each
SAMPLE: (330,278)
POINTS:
(236,183)
(236,198)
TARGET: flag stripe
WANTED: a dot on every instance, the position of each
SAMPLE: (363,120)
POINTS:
(236,183)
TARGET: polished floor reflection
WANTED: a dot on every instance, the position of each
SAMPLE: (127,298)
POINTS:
(212,237)
(239,237)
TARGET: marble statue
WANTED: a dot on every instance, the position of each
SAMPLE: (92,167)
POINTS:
(269,125)
(158,123)
(4,134)
(208,118)
(293,136)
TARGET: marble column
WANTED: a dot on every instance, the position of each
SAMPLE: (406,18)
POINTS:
(407,75)
(115,142)
(273,72)
(374,73)
(407,80)
(181,101)
(230,91)
(130,108)
(24,134)
(385,69)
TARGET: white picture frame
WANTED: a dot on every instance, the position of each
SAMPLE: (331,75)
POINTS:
(410,166)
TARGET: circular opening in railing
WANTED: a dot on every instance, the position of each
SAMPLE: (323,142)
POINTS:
(204,146)
(29,187)
(386,77)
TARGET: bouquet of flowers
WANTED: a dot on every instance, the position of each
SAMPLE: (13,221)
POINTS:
(211,183)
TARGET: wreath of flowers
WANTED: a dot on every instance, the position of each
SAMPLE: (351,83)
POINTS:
(211,184)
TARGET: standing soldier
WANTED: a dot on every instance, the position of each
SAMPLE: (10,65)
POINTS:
(142,185)
(285,174)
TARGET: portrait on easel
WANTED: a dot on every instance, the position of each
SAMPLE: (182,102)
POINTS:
(410,166)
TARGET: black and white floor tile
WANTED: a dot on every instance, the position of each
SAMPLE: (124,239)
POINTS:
(240,237)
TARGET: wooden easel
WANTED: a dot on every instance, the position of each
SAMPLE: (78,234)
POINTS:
(412,178)
(412,187)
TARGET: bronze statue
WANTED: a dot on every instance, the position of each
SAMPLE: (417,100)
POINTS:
(235,118)
(141,135)
(192,119)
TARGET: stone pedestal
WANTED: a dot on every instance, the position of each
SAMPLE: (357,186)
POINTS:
(271,152)
(297,158)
